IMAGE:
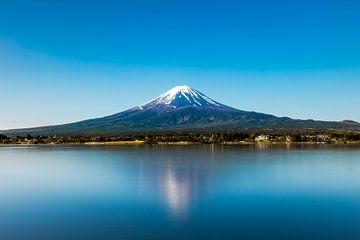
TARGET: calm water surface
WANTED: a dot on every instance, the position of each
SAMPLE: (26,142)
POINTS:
(179,192)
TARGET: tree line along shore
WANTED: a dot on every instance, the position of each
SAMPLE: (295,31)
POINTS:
(205,138)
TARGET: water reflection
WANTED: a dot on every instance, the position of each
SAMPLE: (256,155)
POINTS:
(176,191)
(178,175)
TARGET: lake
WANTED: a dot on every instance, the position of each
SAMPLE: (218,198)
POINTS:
(180,192)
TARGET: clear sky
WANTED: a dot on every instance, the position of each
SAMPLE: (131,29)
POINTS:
(63,61)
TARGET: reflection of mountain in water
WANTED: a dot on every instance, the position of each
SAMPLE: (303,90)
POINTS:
(176,190)
(179,176)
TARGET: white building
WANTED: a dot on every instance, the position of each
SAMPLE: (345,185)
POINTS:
(262,138)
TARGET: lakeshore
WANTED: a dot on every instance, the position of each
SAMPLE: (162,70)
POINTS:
(233,138)
(184,143)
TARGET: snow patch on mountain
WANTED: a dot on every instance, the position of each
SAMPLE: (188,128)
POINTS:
(181,96)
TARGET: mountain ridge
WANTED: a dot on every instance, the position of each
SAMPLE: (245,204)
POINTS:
(183,109)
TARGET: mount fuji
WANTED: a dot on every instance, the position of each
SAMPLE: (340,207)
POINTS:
(183,109)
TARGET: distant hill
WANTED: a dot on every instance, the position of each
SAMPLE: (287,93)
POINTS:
(183,109)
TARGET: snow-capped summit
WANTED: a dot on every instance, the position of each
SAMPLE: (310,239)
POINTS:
(181,96)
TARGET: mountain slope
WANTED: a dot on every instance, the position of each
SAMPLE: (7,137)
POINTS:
(183,109)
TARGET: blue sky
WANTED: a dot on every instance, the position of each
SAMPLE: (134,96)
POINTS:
(62,61)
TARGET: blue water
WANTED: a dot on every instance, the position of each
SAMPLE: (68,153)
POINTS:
(180,192)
